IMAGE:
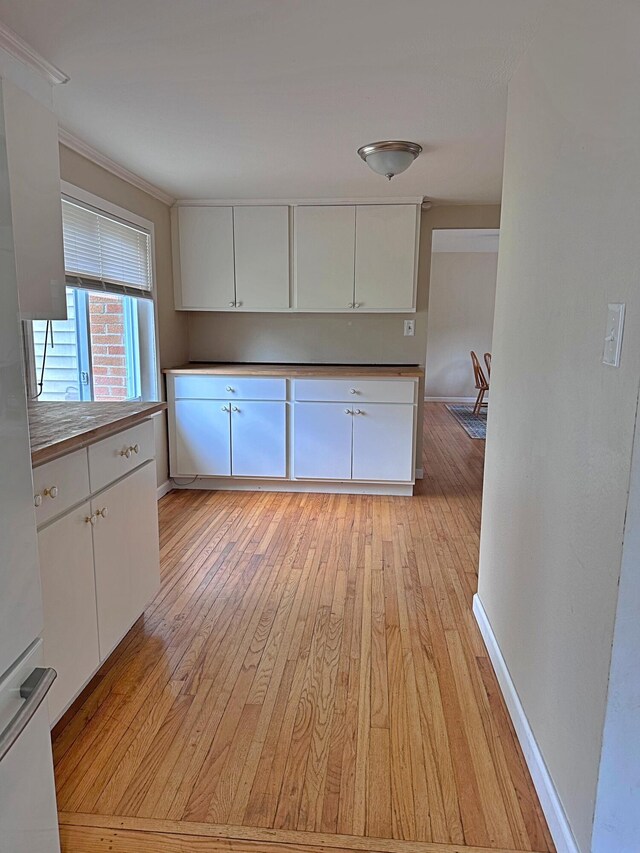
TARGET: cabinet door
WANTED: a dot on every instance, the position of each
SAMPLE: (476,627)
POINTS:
(70,630)
(261,244)
(206,265)
(126,554)
(386,236)
(259,439)
(202,438)
(322,441)
(324,238)
(36,213)
(383,442)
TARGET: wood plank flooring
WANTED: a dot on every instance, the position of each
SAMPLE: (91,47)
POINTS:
(310,675)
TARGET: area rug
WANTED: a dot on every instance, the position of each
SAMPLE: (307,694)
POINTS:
(474,425)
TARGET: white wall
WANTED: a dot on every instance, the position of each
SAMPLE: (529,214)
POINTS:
(460,318)
(561,424)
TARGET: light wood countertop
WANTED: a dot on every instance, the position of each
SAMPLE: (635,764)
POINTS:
(60,428)
(410,371)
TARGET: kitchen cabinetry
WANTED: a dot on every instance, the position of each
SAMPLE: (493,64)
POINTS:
(96,510)
(304,431)
(324,257)
(69,603)
(261,252)
(346,257)
(226,434)
(31,131)
(232,258)
(126,553)
(386,256)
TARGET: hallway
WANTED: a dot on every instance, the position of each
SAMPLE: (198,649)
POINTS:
(310,675)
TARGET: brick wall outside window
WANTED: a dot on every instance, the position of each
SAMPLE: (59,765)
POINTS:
(106,318)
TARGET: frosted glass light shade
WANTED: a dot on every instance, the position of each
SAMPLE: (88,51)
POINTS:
(389,158)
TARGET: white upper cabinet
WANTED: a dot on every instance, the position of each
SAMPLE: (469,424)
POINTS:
(261,247)
(386,257)
(344,258)
(205,265)
(31,131)
(324,252)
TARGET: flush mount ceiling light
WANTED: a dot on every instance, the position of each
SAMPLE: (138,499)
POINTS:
(391,157)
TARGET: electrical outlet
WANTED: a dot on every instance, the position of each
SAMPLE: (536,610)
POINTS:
(409,328)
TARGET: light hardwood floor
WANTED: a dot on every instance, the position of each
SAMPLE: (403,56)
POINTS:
(310,676)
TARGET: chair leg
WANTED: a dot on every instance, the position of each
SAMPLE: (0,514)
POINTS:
(479,399)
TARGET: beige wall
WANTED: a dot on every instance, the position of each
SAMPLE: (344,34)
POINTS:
(334,338)
(560,423)
(461,303)
(172,326)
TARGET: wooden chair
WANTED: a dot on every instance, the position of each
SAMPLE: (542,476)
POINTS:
(487,361)
(481,383)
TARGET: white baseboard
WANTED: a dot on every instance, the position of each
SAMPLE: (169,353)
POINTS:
(549,800)
(165,488)
(419,473)
(451,399)
(329,487)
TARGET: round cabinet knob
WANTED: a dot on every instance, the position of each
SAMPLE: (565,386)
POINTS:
(352,391)
(126,452)
(229,388)
(235,409)
(104,512)
(224,409)
(348,412)
(90,519)
(357,412)
(136,448)
(356,304)
(350,305)
(51,492)
(238,304)
(232,305)
(37,500)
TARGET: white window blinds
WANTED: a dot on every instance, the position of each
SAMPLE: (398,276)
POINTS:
(99,249)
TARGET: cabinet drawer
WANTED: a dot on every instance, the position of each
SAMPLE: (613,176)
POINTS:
(355,390)
(115,456)
(60,484)
(230,388)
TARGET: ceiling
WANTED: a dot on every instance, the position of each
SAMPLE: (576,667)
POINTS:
(271,98)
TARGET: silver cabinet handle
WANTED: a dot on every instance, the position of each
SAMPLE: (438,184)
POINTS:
(34,690)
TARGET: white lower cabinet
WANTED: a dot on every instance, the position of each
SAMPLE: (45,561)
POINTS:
(346,429)
(126,554)
(322,437)
(100,568)
(69,604)
(259,439)
(202,438)
(383,442)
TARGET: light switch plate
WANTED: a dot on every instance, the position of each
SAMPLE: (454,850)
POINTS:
(613,334)
(409,328)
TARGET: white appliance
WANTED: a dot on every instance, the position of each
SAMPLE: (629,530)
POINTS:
(28,815)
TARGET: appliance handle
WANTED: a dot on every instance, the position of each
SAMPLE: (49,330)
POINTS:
(34,690)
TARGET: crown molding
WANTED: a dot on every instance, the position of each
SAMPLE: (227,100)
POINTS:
(69,140)
(293,202)
(19,49)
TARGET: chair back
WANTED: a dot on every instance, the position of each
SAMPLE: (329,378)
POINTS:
(487,361)
(478,374)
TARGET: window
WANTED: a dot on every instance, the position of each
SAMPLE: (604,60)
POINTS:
(105,350)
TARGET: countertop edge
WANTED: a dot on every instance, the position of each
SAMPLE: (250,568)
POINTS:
(63,447)
(293,370)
